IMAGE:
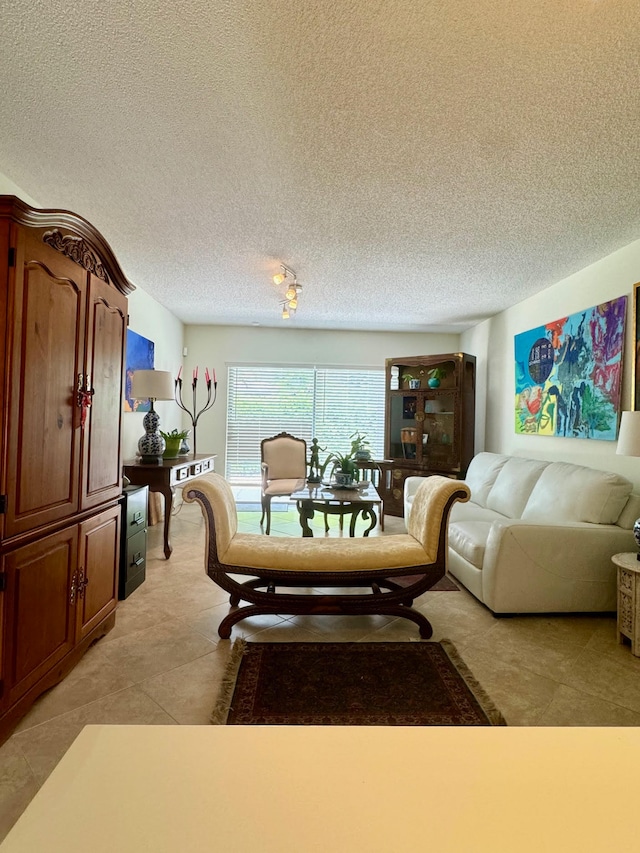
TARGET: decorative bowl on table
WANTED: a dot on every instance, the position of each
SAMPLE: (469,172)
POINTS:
(339,487)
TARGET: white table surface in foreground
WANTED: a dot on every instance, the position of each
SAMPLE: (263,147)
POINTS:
(188,789)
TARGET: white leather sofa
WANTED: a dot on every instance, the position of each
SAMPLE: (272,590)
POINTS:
(538,537)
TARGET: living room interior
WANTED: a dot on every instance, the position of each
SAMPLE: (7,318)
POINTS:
(570,239)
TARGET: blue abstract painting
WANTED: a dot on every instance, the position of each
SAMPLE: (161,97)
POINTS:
(569,374)
(140,356)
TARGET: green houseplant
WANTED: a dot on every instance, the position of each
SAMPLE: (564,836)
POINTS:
(436,375)
(346,463)
(173,440)
(412,381)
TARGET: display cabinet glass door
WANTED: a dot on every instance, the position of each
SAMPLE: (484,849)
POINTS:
(439,429)
(405,428)
(423,428)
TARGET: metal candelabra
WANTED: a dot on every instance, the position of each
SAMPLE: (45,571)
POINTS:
(211,398)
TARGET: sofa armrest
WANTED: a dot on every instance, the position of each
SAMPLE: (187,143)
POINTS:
(526,561)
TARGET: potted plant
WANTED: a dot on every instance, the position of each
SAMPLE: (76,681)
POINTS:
(412,381)
(173,440)
(359,446)
(436,375)
(346,466)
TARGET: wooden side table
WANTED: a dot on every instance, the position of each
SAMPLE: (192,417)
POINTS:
(165,477)
(628,599)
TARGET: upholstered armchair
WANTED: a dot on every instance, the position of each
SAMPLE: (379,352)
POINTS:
(284,469)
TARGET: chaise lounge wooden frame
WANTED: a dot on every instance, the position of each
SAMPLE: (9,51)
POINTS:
(346,576)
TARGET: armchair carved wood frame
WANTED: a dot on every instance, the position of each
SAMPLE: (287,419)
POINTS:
(389,572)
(284,469)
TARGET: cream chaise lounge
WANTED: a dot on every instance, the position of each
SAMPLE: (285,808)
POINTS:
(386,572)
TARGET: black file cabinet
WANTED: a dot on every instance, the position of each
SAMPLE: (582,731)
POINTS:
(133,549)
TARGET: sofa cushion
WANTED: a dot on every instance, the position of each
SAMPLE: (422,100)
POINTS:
(469,539)
(566,492)
(473,512)
(481,475)
(514,484)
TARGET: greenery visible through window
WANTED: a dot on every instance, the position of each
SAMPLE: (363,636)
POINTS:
(327,403)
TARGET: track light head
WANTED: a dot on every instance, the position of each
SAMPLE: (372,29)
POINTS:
(290,301)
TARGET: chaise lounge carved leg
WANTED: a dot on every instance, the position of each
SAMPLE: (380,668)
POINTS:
(426,629)
(389,584)
(224,629)
(254,583)
(400,610)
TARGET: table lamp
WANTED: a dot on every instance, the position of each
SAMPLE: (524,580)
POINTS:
(629,445)
(151,385)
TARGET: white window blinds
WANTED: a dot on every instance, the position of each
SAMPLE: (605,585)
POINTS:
(327,403)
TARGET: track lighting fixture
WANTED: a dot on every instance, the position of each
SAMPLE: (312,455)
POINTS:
(294,289)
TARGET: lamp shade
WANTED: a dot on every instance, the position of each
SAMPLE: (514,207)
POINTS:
(152,385)
(629,434)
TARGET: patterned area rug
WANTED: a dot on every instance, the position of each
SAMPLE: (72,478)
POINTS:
(351,684)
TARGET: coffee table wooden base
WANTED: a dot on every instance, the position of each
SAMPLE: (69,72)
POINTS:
(307,509)
(318,497)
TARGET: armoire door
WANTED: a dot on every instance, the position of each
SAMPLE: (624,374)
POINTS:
(99,561)
(104,385)
(45,353)
(39,615)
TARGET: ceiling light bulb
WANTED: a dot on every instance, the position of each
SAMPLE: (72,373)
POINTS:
(298,288)
(293,304)
(291,292)
(285,313)
(279,278)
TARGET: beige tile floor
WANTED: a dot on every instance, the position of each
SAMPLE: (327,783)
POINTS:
(163,661)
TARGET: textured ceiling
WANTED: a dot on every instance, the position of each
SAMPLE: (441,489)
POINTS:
(421,164)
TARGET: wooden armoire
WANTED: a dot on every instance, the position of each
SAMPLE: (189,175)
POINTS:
(63,320)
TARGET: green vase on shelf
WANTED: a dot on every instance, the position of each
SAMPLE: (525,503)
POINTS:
(436,376)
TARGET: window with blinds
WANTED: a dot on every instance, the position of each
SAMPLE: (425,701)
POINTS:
(327,403)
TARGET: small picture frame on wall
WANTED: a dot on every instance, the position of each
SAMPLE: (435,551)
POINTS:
(635,373)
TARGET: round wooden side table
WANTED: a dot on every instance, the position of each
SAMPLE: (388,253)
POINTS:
(628,599)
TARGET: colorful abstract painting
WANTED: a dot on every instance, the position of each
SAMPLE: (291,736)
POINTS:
(140,356)
(569,372)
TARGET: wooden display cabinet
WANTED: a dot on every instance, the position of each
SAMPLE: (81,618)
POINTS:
(430,418)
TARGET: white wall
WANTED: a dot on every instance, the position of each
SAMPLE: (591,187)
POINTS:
(217,346)
(7,187)
(492,343)
(150,319)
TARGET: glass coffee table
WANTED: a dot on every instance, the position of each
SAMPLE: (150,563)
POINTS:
(361,500)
